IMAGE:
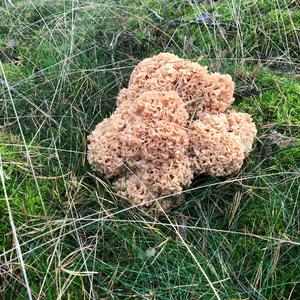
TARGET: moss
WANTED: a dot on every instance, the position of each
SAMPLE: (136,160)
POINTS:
(14,72)
(278,101)
(267,5)
(260,29)
(24,198)
(283,27)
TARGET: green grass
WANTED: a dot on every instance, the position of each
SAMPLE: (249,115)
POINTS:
(67,62)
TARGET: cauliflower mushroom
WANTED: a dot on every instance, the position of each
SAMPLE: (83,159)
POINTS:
(171,123)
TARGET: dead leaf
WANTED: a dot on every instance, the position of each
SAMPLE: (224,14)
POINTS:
(280,139)
(206,19)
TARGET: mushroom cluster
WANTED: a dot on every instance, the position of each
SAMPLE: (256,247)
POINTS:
(171,124)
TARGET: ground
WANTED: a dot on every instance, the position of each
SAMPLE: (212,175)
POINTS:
(62,65)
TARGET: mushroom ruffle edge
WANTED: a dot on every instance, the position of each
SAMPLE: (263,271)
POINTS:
(171,124)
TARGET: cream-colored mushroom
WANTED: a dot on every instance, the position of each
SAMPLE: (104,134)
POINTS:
(171,123)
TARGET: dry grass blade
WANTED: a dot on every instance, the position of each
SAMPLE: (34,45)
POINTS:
(15,235)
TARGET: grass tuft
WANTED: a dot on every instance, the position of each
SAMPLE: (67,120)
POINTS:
(63,63)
